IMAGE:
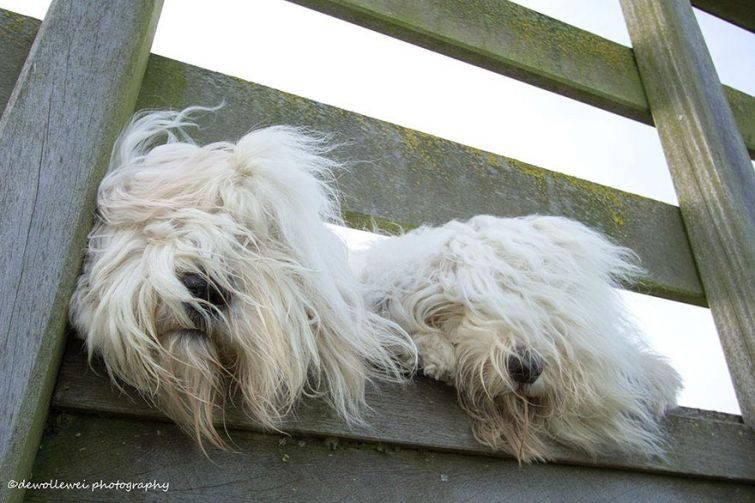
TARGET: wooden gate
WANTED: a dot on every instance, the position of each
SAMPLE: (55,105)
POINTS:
(69,84)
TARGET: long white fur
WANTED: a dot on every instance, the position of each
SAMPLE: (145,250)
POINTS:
(470,293)
(250,217)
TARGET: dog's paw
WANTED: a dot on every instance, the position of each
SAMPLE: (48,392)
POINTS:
(436,356)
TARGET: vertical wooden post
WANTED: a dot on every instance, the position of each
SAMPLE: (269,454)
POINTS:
(76,90)
(710,168)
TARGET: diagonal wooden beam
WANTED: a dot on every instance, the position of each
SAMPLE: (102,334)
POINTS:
(77,88)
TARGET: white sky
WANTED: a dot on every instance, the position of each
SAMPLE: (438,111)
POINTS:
(296,50)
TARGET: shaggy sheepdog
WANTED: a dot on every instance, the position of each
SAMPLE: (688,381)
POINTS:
(210,272)
(523,317)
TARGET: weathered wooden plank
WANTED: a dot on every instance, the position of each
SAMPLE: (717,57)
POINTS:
(738,12)
(412,178)
(17,33)
(712,174)
(672,270)
(424,415)
(75,91)
(743,107)
(598,72)
(512,40)
(280,468)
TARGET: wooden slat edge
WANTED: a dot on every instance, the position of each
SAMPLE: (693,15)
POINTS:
(743,107)
(702,444)
(400,175)
(17,33)
(56,135)
(737,12)
(303,468)
(521,43)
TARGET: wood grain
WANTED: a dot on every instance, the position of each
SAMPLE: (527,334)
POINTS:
(76,89)
(281,468)
(712,174)
(424,415)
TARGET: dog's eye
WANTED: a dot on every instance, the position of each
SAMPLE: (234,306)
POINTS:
(202,289)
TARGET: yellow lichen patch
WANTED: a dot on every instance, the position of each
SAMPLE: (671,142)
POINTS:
(378,225)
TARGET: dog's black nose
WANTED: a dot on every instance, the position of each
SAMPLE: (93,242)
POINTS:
(525,366)
(204,290)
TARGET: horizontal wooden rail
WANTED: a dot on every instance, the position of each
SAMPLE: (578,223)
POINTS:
(281,468)
(738,12)
(412,178)
(512,40)
(703,444)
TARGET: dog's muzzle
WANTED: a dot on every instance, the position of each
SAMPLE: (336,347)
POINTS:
(524,366)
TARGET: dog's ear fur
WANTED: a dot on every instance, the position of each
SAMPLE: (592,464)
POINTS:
(289,178)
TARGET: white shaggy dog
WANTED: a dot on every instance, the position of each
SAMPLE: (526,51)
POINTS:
(210,270)
(522,317)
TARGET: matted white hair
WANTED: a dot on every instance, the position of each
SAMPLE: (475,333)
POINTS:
(280,314)
(523,317)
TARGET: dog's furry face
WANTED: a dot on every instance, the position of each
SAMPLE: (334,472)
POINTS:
(522,317)
(210,269)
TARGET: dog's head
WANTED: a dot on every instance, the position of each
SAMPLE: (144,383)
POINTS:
(547,354)
(526,399)
(210,270)
(522,316)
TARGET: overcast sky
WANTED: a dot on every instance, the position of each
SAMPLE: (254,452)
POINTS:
(296,50)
